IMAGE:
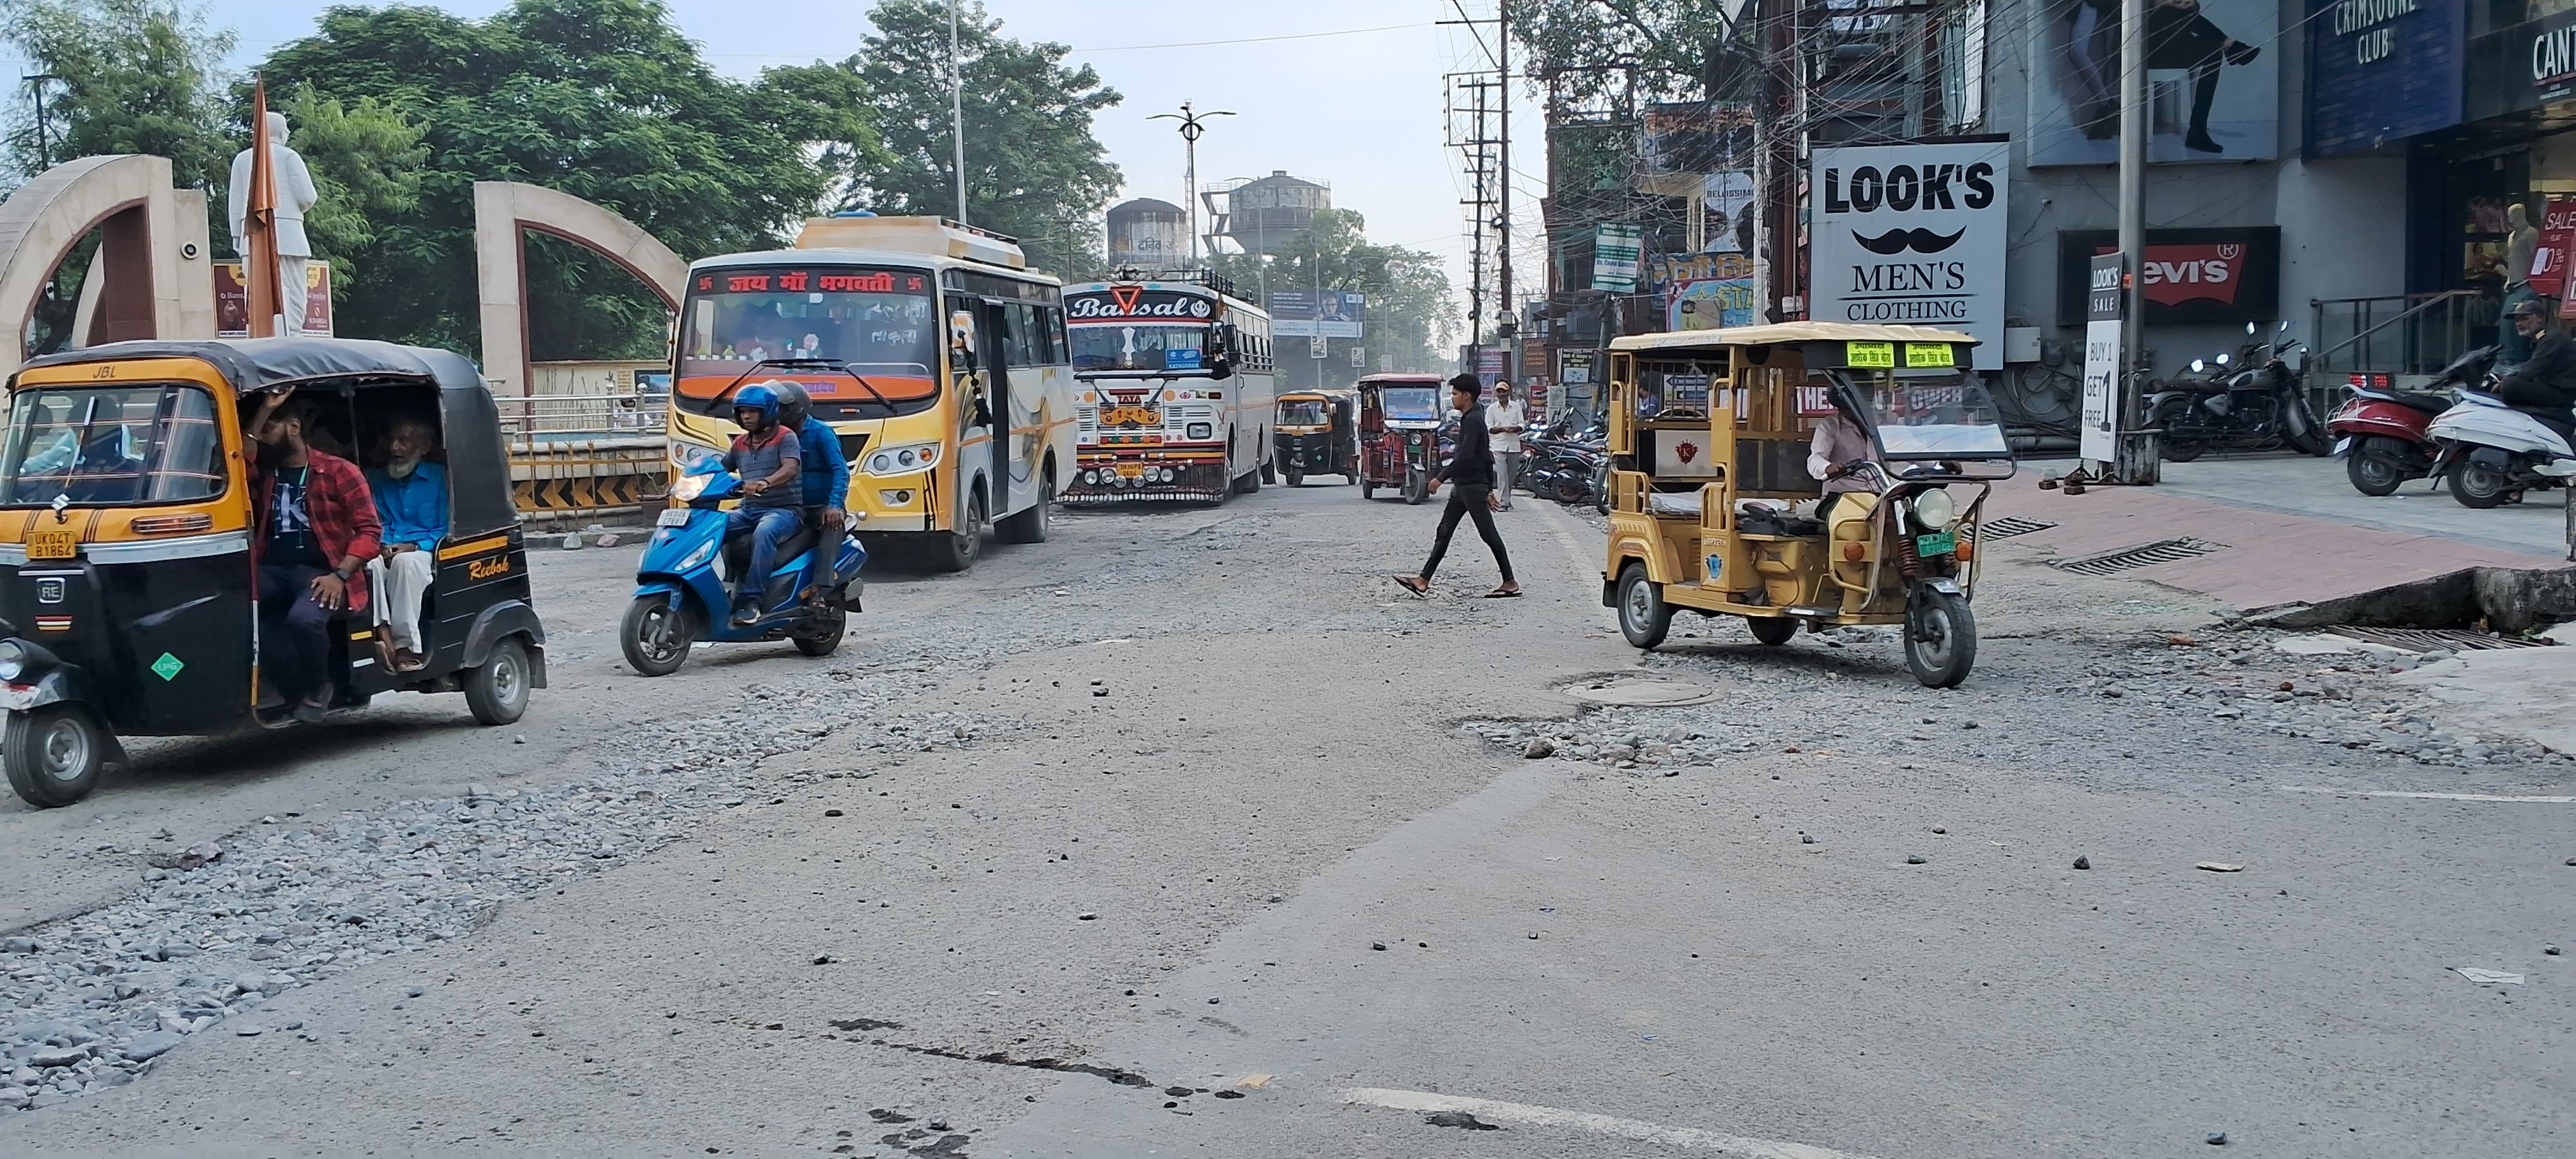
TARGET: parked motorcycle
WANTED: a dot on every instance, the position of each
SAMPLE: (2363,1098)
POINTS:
(2384,435)
(2492,451)
(2247,402)
(1562,470)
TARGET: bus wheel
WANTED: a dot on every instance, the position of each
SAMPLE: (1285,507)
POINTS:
(54,754)
(956,551)
(1270,472)
(1030,526)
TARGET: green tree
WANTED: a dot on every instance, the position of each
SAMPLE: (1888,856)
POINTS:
(1589,52)
(131,76)
(1033,168)
(366,163)
(602,99)
(1411,312)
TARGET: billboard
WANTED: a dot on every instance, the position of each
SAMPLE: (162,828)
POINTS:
(2213,81)
(1702,137)
(232,300)
(1616,249)
(1911,235)
(2191,275)
(1705,291)
(2381,71)
(1318,313)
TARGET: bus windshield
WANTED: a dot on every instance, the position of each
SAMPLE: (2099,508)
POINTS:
(112,445)
(1099,347)
(882,323)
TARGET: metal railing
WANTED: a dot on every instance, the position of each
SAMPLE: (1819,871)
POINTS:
(2403,334)
(549,417)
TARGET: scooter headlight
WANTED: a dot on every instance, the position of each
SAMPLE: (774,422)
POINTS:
(689,487)
(1934,509)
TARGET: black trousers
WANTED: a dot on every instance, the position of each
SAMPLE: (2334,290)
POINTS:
(294,644)
(1468,501)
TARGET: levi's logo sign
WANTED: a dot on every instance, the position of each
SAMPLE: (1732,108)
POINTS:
(2187,272)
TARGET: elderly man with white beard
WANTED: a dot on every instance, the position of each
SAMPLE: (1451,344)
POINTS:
(411,499)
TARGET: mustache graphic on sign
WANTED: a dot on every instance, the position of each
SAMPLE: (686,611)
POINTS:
(1897,241)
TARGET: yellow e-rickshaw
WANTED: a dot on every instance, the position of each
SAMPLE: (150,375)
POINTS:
(1709,439)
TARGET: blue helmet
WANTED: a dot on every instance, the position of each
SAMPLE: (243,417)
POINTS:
(758,396)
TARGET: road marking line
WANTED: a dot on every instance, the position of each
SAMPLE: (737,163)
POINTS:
(1523,1114)
(2430,796)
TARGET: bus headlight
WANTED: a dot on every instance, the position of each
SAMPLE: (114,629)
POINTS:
(903,460)
(684,453)
(1934,509)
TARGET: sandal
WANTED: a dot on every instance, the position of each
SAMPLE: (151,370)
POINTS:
(1420,588)
(1503,594)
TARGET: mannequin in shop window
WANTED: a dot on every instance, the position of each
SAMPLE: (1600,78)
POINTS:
(2521,245)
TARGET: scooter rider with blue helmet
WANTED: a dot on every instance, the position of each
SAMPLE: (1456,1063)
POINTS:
(768,457)
(825,474)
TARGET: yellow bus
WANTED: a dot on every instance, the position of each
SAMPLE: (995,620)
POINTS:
(930,347)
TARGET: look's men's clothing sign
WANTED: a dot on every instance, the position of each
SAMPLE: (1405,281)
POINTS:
(2105,299)
(1912,235)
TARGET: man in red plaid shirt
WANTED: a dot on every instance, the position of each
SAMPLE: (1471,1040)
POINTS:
(317,530)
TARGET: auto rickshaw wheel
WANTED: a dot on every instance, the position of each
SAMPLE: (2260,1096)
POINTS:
(1296,478)
(1644,617)
(53,753)
(656,634)
(497,692)
(1940,638)
(1772,630)
(824,636)
(1351,479)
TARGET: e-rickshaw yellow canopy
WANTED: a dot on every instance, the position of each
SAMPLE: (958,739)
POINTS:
(1779,333)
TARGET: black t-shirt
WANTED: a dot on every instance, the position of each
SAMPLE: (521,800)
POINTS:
(290,523)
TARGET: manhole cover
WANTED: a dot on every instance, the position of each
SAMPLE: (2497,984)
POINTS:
(2009,526)
(1638,692)
(2433,639)
(2144,555)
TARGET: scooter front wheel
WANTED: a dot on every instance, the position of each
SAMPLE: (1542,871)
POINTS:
(656,634)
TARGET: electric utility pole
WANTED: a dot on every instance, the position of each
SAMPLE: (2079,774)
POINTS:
(2134,455)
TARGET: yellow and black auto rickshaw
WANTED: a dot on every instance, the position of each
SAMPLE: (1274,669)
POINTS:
(1710,437)
(1317,434)
(127,593)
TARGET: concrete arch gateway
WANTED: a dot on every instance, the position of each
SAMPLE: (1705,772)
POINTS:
(155,280)
(503,212)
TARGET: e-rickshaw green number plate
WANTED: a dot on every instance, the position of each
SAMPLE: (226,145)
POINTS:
(1937,543)
(1870,355)
(1929,356)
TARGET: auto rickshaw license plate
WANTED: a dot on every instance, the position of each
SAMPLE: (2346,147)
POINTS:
(53,544)
(1937,543)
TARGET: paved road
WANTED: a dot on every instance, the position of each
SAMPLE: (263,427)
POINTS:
(1055,856)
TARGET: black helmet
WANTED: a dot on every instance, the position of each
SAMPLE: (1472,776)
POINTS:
(794,405)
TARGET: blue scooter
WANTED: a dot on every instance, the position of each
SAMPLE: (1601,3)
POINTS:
(682,596)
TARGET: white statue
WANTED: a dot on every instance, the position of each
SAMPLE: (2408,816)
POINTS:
(295,195)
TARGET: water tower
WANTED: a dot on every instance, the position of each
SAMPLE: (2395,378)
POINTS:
(1148,235)
(1264,214)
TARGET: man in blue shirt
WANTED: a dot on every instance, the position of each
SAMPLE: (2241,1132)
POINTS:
(768,458)
(826,475)
(411,500)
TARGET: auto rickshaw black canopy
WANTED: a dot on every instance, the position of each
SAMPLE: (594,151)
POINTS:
(478,464)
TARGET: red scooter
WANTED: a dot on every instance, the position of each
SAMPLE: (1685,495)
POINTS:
(2380,432)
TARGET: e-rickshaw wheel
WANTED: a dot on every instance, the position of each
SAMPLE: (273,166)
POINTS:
(1417,485)
(826,636)
(1772,630)
(54,754)
(1940,638)
(1644,617)
(1368,490)
(497,692)
(656,634)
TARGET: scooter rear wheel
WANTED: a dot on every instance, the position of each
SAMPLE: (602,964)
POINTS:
(2372,471)
(824,636)
(2478,487)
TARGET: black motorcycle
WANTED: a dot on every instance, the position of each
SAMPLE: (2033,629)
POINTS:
(2249,402)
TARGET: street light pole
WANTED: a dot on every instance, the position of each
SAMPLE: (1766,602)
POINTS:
(957,107)
(1192,124)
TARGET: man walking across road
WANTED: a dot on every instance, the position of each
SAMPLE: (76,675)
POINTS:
(1507,419)
(1471,467)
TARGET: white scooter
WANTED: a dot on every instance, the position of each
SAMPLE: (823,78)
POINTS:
(2492,453)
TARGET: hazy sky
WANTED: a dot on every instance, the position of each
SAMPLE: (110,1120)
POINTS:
(1359,111)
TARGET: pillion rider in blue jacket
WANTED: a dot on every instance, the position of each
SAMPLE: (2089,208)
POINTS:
(826,476)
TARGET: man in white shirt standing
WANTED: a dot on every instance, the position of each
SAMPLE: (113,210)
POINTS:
(1506,418)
